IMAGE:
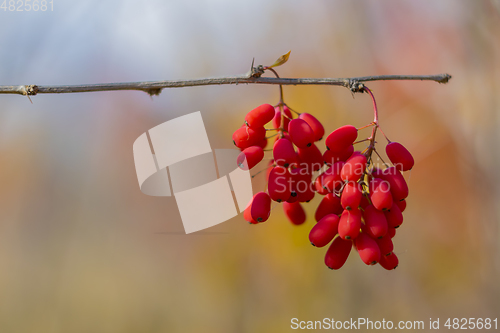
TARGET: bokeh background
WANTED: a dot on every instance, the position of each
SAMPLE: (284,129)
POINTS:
(83,250)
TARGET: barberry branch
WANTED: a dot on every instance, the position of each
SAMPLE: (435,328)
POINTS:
(355,84)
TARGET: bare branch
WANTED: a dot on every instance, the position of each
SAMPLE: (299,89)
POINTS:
(355,84)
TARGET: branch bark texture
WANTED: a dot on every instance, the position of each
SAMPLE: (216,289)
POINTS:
(355,84)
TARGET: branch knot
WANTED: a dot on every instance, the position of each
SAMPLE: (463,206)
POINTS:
(257,71)
(31,90)
(355,86)
(154,91)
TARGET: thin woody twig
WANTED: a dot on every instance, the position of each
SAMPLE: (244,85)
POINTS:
(355,84)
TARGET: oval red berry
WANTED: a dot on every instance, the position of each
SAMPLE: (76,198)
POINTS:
(394,216)
(250,157)
(262,143)
(330,204)
(399,156)
(385,245)
(247,214)
(283,153)
(245,136)
(323,232)
(401,204)
(354,167)
(316,126)
(349,224)
(331,156)
(381,195)
(368,249)
(260,116)
(375,222)
(351,195)
(397,183)
(310,158)
(279,185)
(302,184)
(330,179)
(337,253)
(294,212)
(301,133)
(389,262)
(341,138)
(261,207)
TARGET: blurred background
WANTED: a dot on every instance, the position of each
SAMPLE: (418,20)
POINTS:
(83,250)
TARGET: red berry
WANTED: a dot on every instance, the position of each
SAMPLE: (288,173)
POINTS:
(245,137)
(261,207)
(354,167)
(373,184)
(389,262)
(337,253)
(323,232)
(364,202)
(330,179)
(401,204)
(331,156)
(305,191)
(250,157)
(330,204)
(293,197)
(262,143)
(247,214)
(375,222)
(368,249)
(302,185)
(351,196)
(399,156)
(391,232)
(283,153)
(294,212)
(397,182)
(310,158)
(279,184)
(394,216)
(318,185)
(349,224)
(342,137)
(277,117)
(316,126)
(381,196)
(260,116)
(301,133)
(385,245)
(376,172)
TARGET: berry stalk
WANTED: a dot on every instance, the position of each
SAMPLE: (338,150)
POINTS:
(371,139)
(281,102)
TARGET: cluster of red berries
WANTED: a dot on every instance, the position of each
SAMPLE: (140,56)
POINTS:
(362,204)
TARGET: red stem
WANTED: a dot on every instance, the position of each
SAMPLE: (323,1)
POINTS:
(375,110)
(282,109)
(371,147)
